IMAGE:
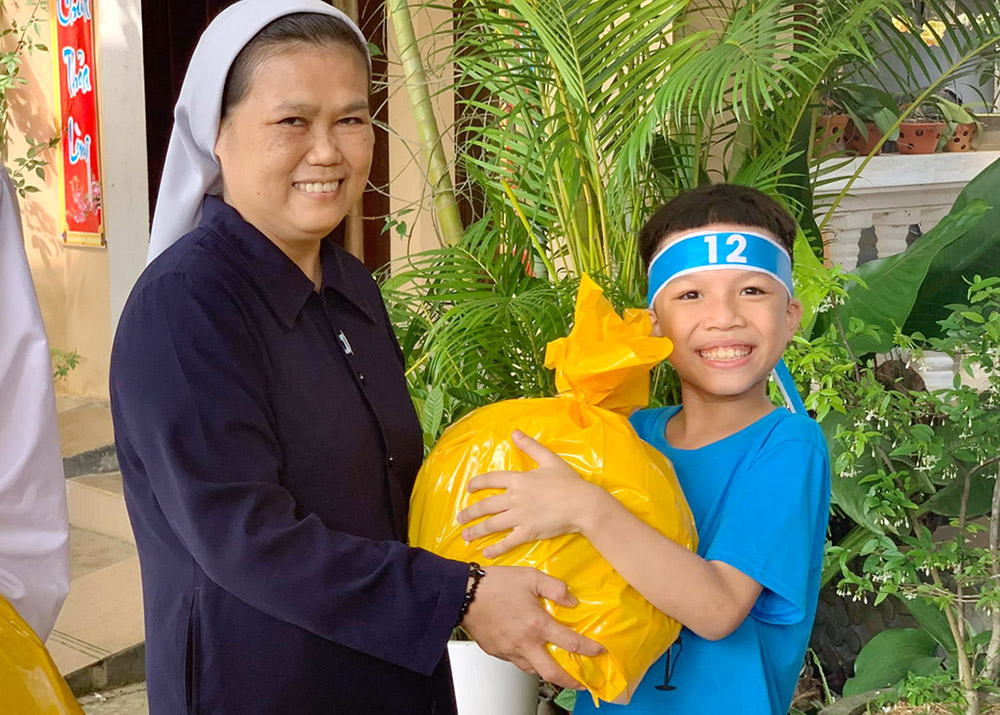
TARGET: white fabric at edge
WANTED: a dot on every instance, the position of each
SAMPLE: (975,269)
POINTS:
(34,526)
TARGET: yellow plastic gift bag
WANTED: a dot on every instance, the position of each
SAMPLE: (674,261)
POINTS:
(602,374)
(30,683)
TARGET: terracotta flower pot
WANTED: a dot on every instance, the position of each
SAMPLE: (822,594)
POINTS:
(830,132)
(856,142)
(962,141)
(919,137)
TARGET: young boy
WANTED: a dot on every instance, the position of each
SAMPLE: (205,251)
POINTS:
(757,477)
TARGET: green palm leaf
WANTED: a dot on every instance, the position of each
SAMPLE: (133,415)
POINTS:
(578,118)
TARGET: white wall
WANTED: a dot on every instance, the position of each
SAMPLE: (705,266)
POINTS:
(126,206)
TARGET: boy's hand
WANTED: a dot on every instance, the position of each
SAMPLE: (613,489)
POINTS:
(545,502)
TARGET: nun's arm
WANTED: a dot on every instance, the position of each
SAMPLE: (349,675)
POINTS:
(215,476)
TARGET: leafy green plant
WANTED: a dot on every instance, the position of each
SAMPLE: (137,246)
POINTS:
(577,120)
(908,463)
(882,294)
(848,317)
(473,325)
(566,700)
(31,165)
(865,105)
(954,115)
(556,93)
(63,362)
(908,291)
(891,657)
(936,689)
(875,415)
(952,112)
(579,117)
(474,322)
(24,43)
(976,251)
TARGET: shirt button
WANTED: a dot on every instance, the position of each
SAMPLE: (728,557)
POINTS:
(361,377)
(390,459)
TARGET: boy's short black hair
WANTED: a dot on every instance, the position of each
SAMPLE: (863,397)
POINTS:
(716,203)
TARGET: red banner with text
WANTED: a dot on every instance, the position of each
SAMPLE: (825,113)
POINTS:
(80,156)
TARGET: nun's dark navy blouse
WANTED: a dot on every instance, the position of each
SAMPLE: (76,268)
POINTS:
(268,448)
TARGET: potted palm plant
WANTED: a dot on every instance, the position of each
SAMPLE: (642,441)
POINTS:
(873,113)
(962,125)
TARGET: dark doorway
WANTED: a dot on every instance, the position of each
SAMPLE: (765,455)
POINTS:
(170,30)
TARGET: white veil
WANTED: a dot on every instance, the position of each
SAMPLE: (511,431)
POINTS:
(191,169)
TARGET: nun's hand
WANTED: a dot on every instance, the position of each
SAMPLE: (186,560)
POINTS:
(550,500)
(506,618)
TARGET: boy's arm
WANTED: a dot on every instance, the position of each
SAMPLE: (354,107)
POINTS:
(768,535)
(711,598)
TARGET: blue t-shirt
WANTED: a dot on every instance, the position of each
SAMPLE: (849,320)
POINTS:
(760,499)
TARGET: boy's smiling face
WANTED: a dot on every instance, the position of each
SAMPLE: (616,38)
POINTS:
(729,327)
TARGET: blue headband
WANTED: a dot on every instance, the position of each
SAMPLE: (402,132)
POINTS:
(720,250)
(701,251)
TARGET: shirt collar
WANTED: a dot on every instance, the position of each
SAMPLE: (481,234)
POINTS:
(283,284)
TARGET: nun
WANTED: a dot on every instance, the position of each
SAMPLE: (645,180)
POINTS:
(34,526)
(265,434)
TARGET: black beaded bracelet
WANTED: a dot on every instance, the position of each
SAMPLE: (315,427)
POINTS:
(476,573)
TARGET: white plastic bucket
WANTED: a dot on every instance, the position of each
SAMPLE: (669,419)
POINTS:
(485,685)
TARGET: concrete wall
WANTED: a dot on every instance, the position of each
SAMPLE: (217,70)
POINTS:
(82,290)
(72,282)
(126,187)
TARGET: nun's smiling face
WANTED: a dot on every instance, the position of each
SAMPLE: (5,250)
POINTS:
(296,151)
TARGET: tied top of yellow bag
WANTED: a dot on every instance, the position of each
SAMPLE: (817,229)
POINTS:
(602,373)
(606,359)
